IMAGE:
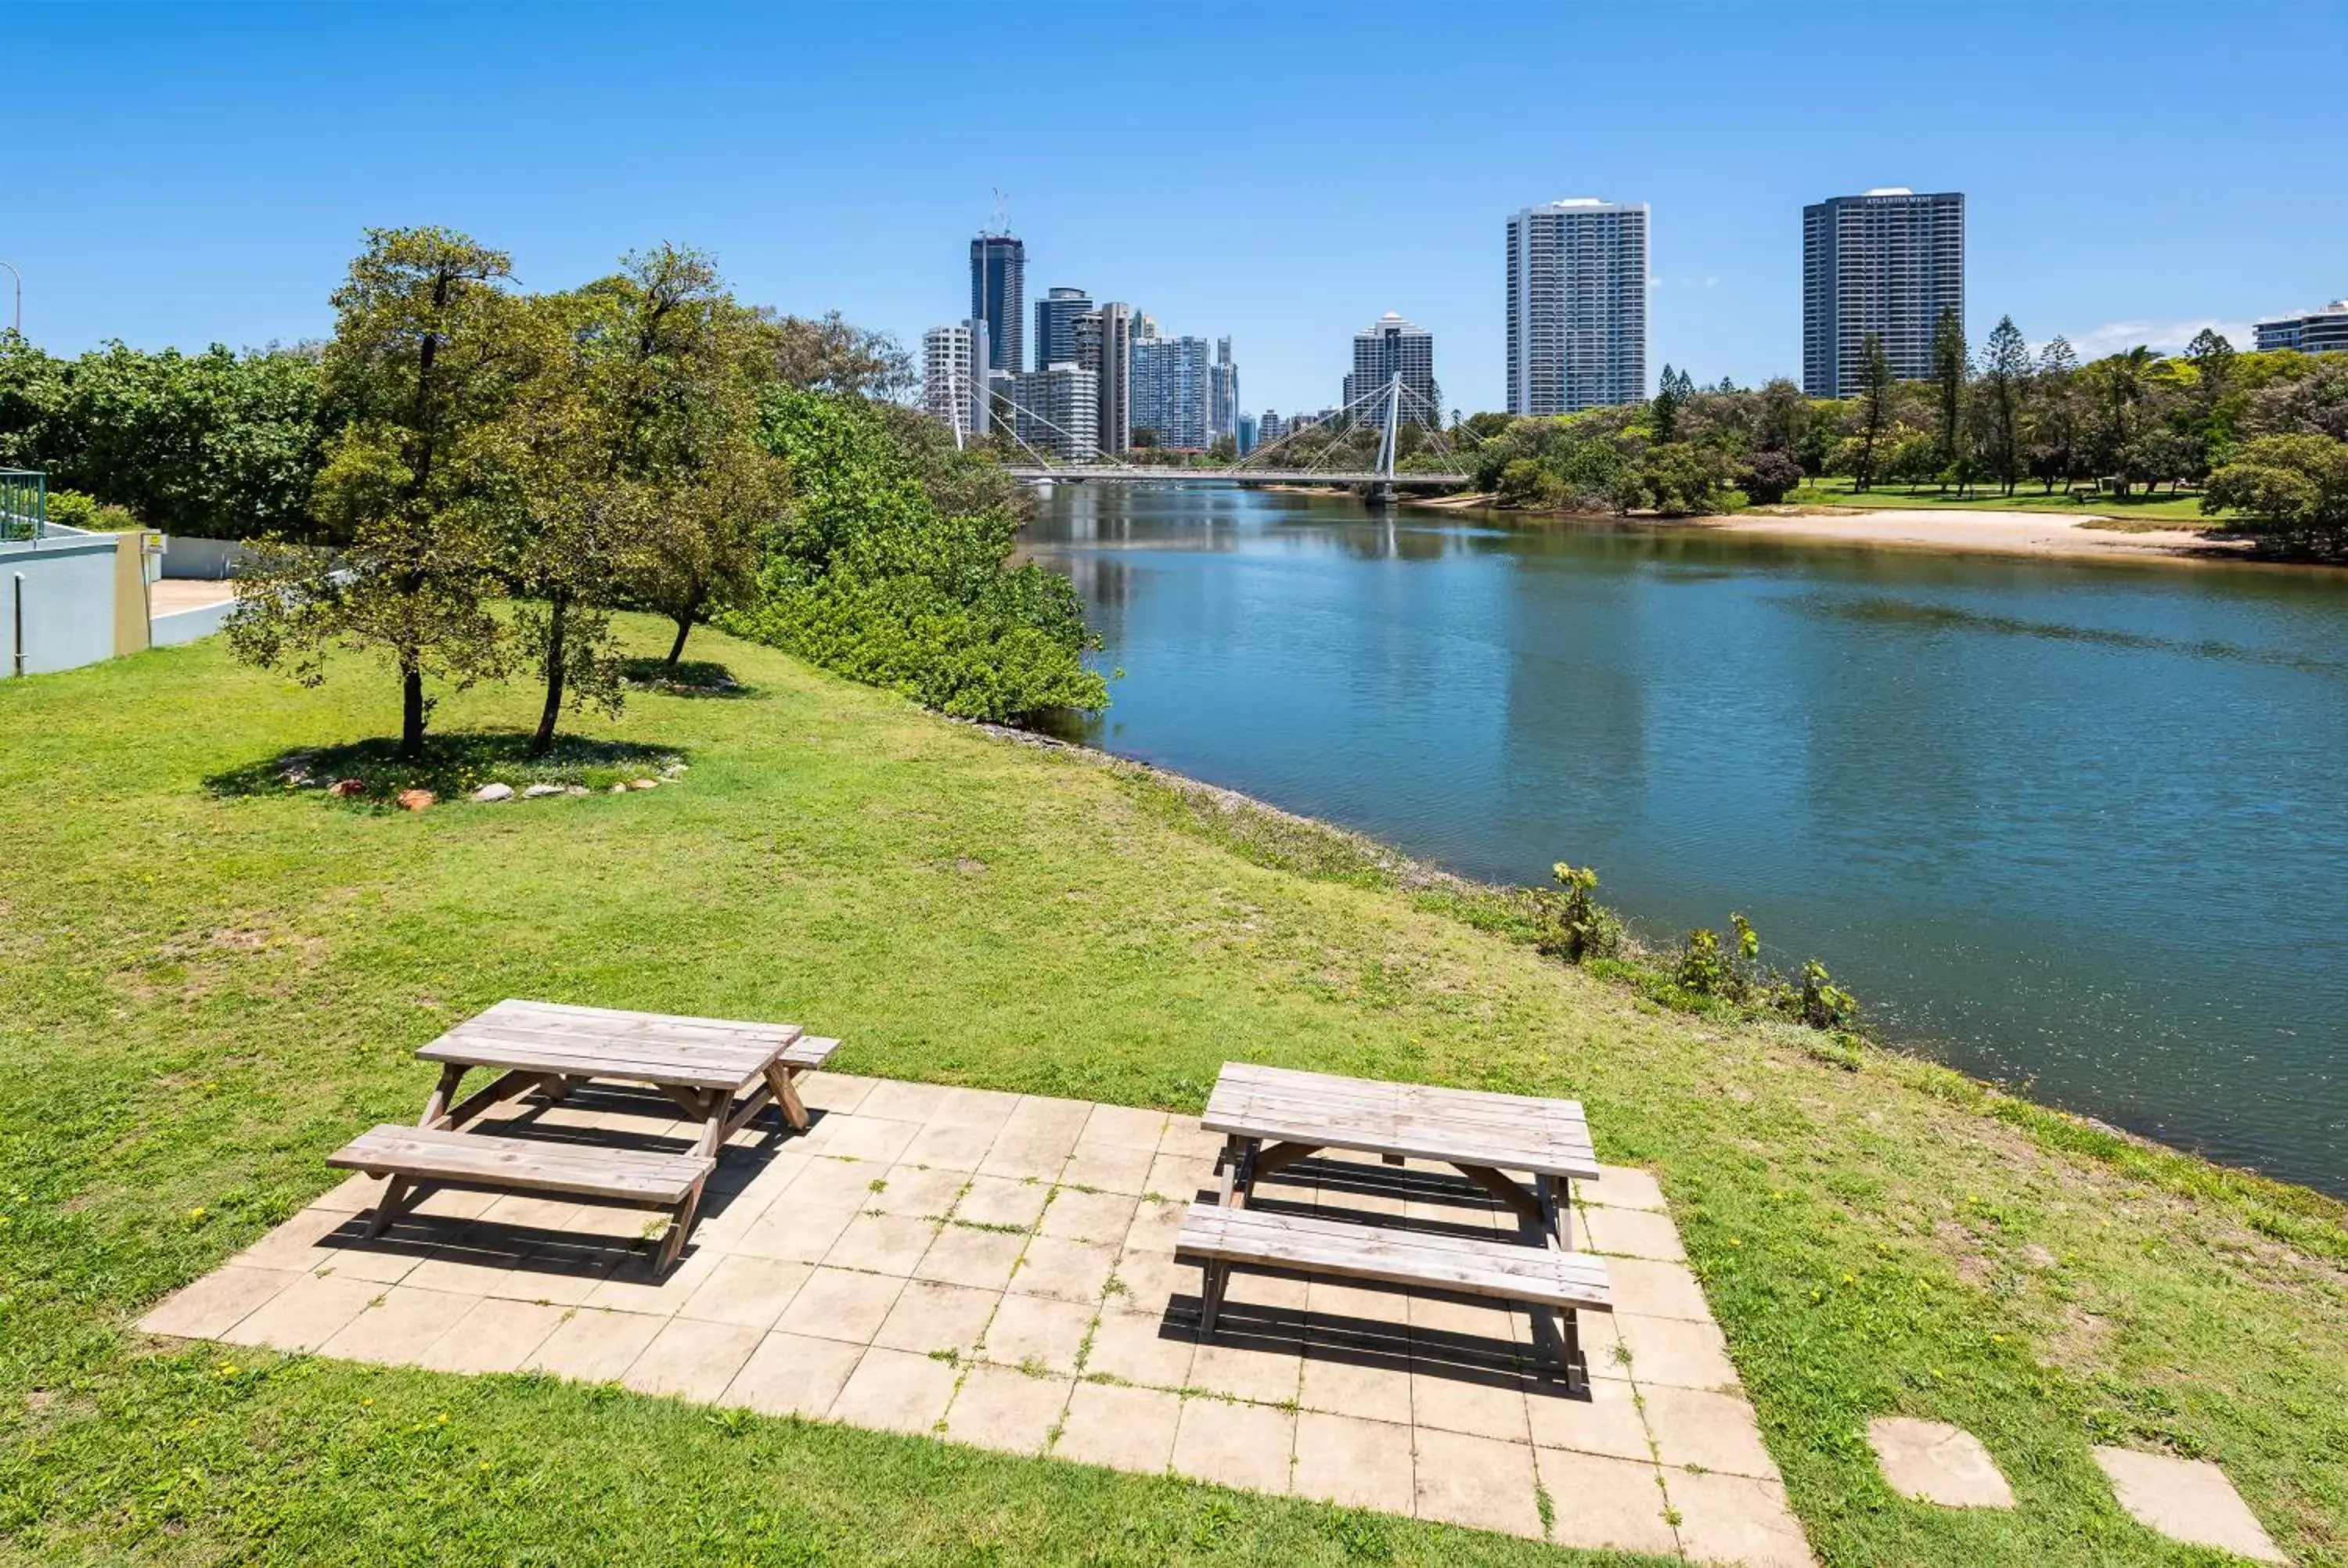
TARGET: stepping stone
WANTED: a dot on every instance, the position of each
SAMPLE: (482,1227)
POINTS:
(1937,1462)
(2187,1500)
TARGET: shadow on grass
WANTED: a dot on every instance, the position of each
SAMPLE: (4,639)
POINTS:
(452,767)
(690,678)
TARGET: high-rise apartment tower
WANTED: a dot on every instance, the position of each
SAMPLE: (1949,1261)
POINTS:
(1577,305)
(998,296)
(1887,262)
(1391,347)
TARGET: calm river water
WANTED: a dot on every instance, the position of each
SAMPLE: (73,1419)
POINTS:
(2082,827)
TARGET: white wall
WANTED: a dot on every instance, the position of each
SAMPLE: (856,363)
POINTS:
(66,584)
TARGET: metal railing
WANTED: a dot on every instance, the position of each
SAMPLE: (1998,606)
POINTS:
(24,504)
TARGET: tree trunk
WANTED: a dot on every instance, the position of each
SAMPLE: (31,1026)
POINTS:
(684,631)
(411,711)
(543,740)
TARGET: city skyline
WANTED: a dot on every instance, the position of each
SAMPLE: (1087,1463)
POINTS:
(163,224)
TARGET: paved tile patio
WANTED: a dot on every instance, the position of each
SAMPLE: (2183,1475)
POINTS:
(997,1270)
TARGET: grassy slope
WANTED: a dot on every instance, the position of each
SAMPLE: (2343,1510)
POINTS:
(2175,511)
(199,997)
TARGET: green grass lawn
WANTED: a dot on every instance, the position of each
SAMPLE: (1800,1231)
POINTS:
(204,990)
(2172,510)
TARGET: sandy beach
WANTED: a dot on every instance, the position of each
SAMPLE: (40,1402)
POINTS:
(2003,533)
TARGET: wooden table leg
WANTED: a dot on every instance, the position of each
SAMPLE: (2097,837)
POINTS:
(436,1110)
(715,1104)
(787,1095)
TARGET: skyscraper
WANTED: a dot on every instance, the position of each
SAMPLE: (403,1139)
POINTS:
(1059,411)
(1244,436)
(998,296)
(953,379)
(1887,262)
(1392,348)
(1105,347)
(1056,327)
(1577,305)
(1171,395)
(1224,395)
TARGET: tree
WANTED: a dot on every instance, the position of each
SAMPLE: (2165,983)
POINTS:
(1952,368)
(1769,477)
(1782,418)
(420,360)
(2054,444)
(1675,479)
(2005,381)
(828,355)
(1875,405)
(2312,404)
(2293,489)
(2117,385)
(1672,395)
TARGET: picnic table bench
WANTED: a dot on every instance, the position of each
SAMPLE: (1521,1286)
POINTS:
(1272,1117)
(720,1072)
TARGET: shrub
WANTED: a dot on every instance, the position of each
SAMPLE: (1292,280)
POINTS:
(1770,477)
(73,510)
(2294,489)
(1569,923)
(1819,1003)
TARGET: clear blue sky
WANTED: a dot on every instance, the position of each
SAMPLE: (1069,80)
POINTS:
(1280,172)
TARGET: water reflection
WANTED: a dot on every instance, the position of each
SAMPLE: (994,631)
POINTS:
(2071,823)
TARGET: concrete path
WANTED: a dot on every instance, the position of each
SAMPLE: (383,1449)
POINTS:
(997,1270)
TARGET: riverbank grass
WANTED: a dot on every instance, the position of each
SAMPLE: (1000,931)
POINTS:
(205,991)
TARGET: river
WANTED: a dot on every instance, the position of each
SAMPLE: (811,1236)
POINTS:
(2079,827)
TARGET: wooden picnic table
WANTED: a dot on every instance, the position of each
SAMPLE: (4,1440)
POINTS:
(1274,1116)
(720,1072)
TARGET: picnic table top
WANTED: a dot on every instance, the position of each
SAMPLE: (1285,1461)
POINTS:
(1417,1120)
(605,1042)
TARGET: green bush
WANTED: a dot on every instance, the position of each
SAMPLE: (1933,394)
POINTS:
(872,579)
(73,510)
(1568,922)
(2293,490)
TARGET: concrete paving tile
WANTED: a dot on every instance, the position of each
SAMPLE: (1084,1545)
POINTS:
(750,1291)
(1358,1463)
(1629,1233)
(1110,1168)
(838,1304)
(1064,1270)
(1040,1117)
(1038,1332)
(930,1316)
(903,1099)
(212,1306)
(1656,1290)
(1604,1420)
(2186,1500)
(1000,1201)
(399,1327)
(692,1359)
(1456,1403)
(1154,1226)
(565,1274)
(949,1145)
(469,1262)
(963,1255)
(1374,1393)
(1937,1462)
(866,1140)
(387,1260)
(1148,1281)
(307,1313)
(632,1287)
(1184,1137)
(1122,1126)
(925,1193)
(794,1232)
(1480,1482)
(1183,1178)
(526,1211)
(793,1375)
(1266,1291)
(1347,1310)
(834,1090)
(1269,1373)
(1664,1350)
(451,1204)
(1235,1445)
(296,1243)
(496,1336)
(1604,1504)
(1715,1431)
(1017,1156)
(1134,1347)
(897,1391)
(828,1184)
(1622,1187)
(883,1243)
(356,1194)
(1103,1218)
(594,1345)
(1003,1408)
(1736,1518)
(1123,1429)
(962,1107)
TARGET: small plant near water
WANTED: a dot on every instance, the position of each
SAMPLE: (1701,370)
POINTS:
(1568,922)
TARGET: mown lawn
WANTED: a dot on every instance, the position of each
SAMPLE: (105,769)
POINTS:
(2172,510)
(203,992)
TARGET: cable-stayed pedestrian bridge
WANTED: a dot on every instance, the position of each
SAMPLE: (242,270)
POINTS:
(1146,474)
